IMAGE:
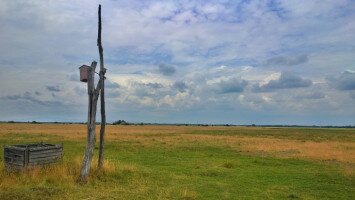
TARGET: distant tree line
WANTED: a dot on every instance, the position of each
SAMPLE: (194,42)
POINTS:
(123,122)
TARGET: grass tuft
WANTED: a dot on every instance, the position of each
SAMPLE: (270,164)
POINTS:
(228,165)
(188,194)
(292,196)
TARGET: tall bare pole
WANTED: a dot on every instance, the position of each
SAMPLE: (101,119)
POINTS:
(102,94)
(93,97)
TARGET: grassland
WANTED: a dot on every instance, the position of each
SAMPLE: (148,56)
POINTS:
(184,162)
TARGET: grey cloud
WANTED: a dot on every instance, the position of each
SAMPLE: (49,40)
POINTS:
(74,77)
(232,85)
(138,72)
(153,85)
(289,61)
(167,70)
(53,88)
(147,85)
(111,84)
(148,89)
(113,89)
(27,96)
(37,93)
(180,86)
(312,95)
(80,91)
(346,81)
(112,94)
(352,94)
(286,81)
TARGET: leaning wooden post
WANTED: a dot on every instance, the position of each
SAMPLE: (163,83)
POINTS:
(87,74)
(102,94)
(93,97)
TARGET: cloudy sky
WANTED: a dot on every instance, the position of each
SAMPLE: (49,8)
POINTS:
(240,62)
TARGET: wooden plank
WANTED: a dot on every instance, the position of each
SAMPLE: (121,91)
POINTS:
(13,155)
(45,151)
(11,150)
(45,148)
(14,151)
(44,159)
(15,162)
(12,158)
(42,162)
(45,155)
(15,148)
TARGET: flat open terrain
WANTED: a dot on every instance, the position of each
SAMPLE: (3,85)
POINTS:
(189,162)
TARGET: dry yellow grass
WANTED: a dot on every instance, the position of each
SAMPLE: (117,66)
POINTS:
(327,150)
(339,151)
(187,162)
(62,173)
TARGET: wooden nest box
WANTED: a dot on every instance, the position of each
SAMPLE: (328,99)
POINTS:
(20,156)
(84,73)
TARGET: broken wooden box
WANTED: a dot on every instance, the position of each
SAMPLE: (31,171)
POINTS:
(28,155)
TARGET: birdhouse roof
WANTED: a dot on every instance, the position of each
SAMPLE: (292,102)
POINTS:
(83,66)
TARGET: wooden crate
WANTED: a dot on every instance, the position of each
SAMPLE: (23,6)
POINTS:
(21,156)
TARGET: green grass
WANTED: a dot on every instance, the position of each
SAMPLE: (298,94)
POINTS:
(184,171)
(304,134)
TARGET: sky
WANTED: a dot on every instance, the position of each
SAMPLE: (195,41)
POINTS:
(217,61)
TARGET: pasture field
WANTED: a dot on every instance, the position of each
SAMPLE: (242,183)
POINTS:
(188,162)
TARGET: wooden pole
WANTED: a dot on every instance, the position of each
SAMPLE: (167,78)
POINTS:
(93,97)
(102,94)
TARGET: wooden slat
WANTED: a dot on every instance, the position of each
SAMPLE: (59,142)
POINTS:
(18,162)
(31,160)
(15,148)
(44,148)
(12,158)
(13,155)
(13,151)
(43,161)
(45,151)
(45,155)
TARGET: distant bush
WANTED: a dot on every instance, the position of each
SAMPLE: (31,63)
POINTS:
(120,122)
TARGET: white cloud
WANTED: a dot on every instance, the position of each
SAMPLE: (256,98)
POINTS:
(214,48)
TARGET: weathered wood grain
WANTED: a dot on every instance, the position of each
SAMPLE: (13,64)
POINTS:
(102,93)
(21,156)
